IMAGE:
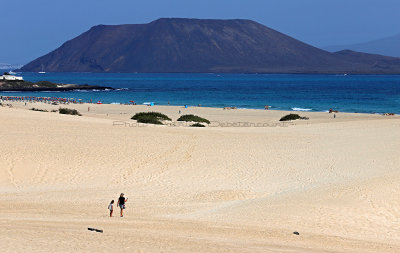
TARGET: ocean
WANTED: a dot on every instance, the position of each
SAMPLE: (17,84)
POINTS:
(346,93)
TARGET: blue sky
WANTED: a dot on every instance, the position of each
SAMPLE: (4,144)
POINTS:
(36,27)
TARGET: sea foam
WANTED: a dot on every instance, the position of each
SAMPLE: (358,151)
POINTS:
(301,109)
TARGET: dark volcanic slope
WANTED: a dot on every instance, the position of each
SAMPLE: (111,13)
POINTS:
(193,45)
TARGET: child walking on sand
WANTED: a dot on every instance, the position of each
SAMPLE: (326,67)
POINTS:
(111,208)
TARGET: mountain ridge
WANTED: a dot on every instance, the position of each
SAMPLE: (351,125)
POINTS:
(170,45)
(389,46)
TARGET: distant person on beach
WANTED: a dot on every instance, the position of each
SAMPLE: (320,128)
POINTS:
(111,207)
(121,203)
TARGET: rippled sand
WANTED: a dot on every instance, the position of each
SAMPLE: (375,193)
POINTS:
(214,189)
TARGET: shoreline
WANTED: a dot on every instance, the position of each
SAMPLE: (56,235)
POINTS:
(122,113)
(73,101)
(324,91)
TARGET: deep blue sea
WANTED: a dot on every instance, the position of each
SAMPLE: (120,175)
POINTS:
(351,93)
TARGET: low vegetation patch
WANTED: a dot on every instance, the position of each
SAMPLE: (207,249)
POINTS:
(290,117)
(150,117)
(69,111)
(197,125)
(193,118)
(38,110)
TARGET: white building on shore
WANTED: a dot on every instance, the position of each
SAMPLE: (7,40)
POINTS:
(9,77)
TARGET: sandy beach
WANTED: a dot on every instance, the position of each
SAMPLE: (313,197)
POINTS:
(225,188)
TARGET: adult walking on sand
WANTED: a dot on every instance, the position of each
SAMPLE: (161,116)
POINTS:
(121,203)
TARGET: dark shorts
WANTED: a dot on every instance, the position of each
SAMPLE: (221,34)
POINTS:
(122,206)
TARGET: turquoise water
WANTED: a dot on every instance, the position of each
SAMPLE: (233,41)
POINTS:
(351,93)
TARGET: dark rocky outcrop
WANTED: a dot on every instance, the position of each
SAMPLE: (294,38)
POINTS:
(45,86)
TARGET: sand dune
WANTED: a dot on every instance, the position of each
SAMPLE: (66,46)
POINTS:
(217,189)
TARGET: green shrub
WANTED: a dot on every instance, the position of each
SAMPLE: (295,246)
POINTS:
(69,111)
(150,117)
(290,117)
(149,120)
(193,118)
(156,115)
(38,110)
(197,125)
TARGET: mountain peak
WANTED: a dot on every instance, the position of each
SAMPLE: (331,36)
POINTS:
(195,45)
(197,20)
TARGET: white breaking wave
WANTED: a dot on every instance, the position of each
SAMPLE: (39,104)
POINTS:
(301,109)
